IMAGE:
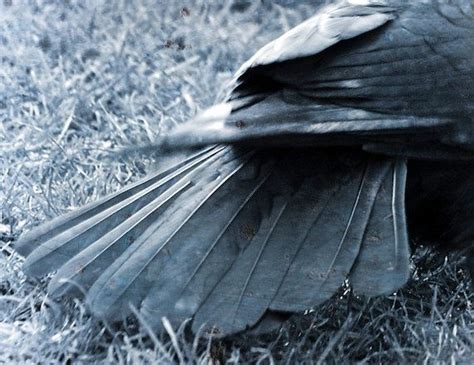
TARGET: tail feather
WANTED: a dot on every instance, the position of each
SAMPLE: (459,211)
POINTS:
(239,300)
(229,236)
(327,254)
(243,295)
(230,226)
(383,262)
(84,268)
(129,279)
(43,233)
(70,237)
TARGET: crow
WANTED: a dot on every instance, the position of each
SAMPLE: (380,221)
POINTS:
(335,140)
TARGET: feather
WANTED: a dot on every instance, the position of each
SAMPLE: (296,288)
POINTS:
(234,234)
(331,25)
(270,322)
(228,308)
(420,152)
(326,256)
(245,292)
(383,263)
(82,270)
(184,283)
(366,74)
(36,237)
(286,118)
(130,277)
(102,218)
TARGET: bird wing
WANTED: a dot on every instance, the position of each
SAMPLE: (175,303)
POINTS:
(352,74)
(328,27)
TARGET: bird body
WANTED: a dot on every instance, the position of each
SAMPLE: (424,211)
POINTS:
(303,182)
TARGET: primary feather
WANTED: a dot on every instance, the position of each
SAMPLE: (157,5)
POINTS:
(309,190)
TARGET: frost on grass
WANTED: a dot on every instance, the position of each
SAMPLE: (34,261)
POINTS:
(80,81)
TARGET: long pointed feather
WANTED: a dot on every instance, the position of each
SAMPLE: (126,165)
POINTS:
(240,307)
(223,308)
(55,252)
(182,286)
(114,287)
(307,121)
(82,270)
(34,238)
(383,262)
(327,256)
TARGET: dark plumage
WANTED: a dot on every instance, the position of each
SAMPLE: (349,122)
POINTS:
(303,185)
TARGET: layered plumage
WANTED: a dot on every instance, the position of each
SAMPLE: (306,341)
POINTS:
(303,186)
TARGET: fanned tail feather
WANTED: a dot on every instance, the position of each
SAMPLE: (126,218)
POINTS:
(38,236)
(227,237)
(187,222)
(63,238)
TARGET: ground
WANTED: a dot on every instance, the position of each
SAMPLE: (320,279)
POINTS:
(82,80)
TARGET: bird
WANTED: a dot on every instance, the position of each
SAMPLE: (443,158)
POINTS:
(338,142)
